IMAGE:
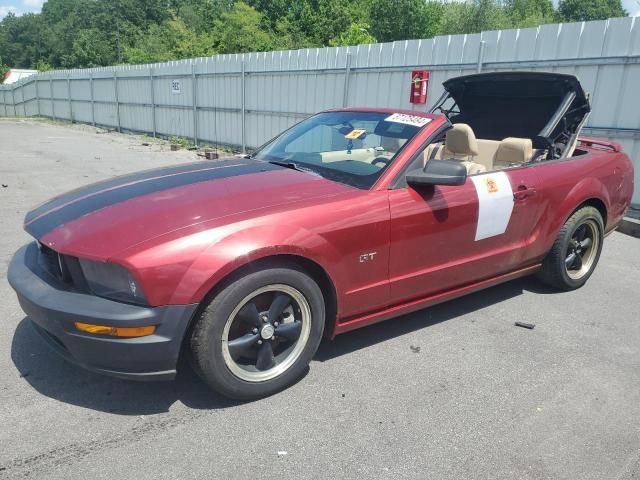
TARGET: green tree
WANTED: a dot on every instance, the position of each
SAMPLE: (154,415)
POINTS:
(3,70)
(170,41)
(404,19)
(356,34)
(530,13)
(199,15)
(583,10)
(241,30)
(43,66)
(474,17)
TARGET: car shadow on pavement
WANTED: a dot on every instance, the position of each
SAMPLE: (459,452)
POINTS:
(380,332)
(58,379)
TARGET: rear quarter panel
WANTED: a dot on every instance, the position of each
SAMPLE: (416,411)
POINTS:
(599,174)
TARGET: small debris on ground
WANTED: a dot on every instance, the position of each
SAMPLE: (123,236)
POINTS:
(145,144)
(4,185)
(281,453)
(530,326)
(414,349)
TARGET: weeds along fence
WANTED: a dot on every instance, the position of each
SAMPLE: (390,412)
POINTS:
(243,100)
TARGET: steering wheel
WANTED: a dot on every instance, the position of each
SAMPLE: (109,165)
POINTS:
(385,161)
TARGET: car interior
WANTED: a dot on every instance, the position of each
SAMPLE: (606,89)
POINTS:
(482,155)
(490,131)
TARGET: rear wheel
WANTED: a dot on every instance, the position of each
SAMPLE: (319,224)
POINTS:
(575,252)
(258,335)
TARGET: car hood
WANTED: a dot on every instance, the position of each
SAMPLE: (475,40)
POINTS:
(100,220)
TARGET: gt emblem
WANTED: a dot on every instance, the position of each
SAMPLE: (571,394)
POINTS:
(366,257)
(492,186)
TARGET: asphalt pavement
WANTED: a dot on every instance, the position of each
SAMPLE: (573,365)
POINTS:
(452,392)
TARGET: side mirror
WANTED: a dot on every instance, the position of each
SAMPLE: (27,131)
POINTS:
(438,172)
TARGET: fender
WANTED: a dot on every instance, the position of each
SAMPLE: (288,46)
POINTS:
(586,189)
(245,246)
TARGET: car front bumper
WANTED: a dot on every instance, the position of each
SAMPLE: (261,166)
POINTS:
(54,309)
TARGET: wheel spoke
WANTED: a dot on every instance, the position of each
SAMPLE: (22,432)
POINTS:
(242,346)
(586,243)
(570,259)
(290,331)
(580,233)
(280,302)
(578,262)
(249,314)
(265,359)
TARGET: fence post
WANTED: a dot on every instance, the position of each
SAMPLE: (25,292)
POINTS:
(115,90)
(53,104)
(69,98)
(194,92)
(153,101)
(93,111)
(242,83)
(347,74)
(24,104)
(481,55)
(37,96)
(13,99)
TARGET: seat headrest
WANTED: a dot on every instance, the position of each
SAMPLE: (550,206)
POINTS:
(461,140)
(514,150)
(391,144)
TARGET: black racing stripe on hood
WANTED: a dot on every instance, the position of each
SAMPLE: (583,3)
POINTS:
(84,202)
(121,180)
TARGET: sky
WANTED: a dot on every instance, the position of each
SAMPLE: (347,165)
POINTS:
(23,6)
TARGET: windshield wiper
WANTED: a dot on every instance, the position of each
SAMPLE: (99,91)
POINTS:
(293,166)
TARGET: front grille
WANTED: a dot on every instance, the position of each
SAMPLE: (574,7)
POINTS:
(51,261)
(63,268)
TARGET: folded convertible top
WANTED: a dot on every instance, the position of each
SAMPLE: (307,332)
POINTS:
(537,105)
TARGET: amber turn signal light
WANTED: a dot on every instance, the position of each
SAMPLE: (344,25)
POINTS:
(116,331)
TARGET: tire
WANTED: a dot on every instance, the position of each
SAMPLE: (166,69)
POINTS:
(231,340)
(560,269)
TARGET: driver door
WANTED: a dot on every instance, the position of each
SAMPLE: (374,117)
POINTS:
(440,240)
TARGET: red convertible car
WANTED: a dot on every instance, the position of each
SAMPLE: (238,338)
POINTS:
(350,217)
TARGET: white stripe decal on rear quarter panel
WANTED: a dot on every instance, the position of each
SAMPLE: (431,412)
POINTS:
(495,203)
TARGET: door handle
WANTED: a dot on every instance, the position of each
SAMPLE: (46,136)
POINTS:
(523,192)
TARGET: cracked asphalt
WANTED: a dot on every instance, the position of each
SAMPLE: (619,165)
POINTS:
(453,392)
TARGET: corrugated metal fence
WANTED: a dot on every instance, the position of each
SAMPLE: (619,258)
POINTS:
(245,99)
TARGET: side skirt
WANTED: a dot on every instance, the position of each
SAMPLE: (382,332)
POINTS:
(415,305)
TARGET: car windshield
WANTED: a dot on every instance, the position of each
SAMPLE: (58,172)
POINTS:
(353,148)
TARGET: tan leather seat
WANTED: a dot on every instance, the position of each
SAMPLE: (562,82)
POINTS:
(486,153)
(489,154)
(513,152)
(460,144)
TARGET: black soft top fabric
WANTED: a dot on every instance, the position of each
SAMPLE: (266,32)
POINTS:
(511,104)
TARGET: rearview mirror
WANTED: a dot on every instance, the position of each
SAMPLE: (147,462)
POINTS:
(438,172)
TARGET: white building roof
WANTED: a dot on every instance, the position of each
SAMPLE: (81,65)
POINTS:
(16,74)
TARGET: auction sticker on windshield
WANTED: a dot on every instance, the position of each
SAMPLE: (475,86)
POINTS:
(413,120)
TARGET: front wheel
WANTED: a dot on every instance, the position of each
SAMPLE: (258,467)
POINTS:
(258,335)
(576,251)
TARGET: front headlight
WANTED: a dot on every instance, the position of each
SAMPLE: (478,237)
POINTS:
(112,281)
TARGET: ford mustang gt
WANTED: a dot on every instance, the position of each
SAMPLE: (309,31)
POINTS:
(348,218)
